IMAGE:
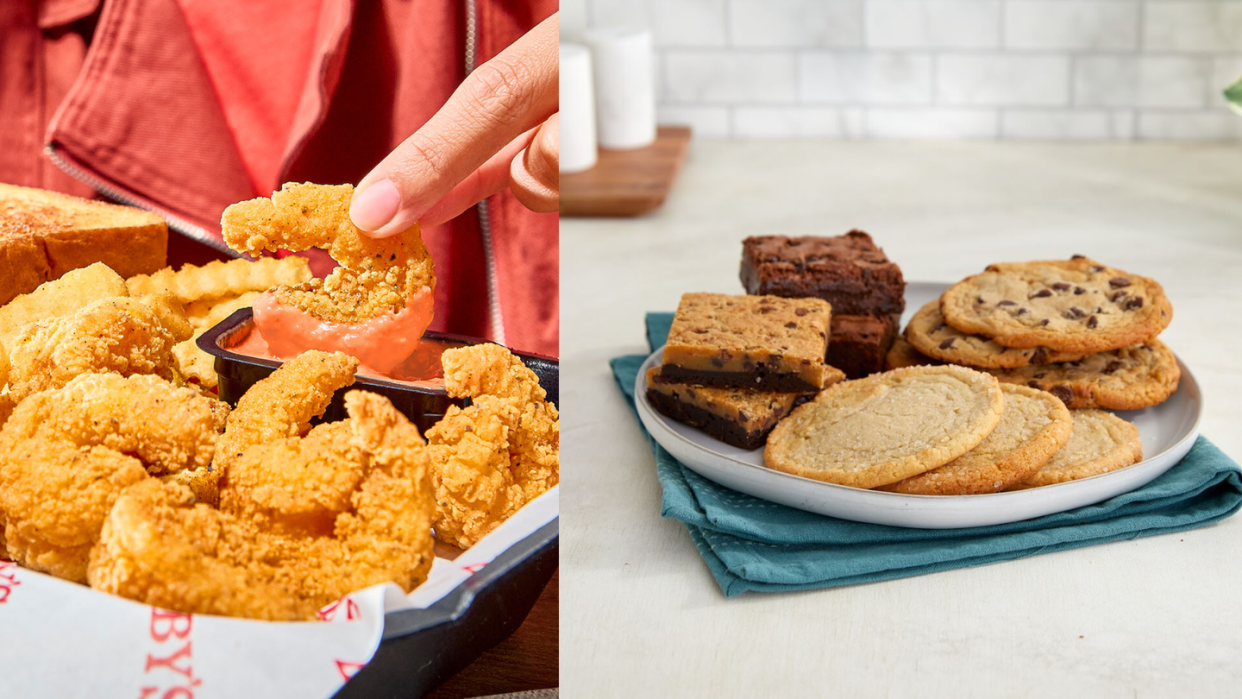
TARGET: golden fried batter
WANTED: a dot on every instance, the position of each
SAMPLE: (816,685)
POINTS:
(158,548)
(283,404)
(4,365)
(123,335)
(66,454)
(375,274)
(496,455)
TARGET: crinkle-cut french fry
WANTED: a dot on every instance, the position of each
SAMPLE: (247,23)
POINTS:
(217,279)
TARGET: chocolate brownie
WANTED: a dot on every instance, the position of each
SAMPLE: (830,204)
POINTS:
(848,271)
(738,416)
(761,342)
(859,344)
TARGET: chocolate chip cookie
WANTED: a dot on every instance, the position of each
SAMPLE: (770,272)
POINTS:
(1101,442)
(1077,305)
(1126,379)
(1032,428)
(929,334)
(887,427)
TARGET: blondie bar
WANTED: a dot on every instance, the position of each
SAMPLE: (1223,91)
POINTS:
(761,342)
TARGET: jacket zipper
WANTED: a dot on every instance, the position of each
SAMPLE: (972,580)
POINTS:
(485,223)
(174,222)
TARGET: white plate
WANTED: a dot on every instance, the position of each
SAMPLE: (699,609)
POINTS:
(1168,432)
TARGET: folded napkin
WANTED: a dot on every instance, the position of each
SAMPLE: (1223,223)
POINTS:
(753,544)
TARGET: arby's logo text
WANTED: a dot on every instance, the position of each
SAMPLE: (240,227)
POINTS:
(169,671)
(8,580)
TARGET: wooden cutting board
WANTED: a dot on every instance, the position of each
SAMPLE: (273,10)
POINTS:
(627,182)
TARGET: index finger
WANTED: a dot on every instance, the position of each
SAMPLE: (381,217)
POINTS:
(502,99)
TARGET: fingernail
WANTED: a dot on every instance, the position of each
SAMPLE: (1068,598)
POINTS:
(375,206)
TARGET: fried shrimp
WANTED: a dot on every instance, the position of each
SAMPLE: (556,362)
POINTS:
(123,335)
(283,404)
(496,455)
(66,454)
(159,548)
(375,274)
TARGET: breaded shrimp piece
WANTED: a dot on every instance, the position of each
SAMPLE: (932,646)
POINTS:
(375,274)
(121,335)
(159,548)
(283,404)
(496,455)
(66,454)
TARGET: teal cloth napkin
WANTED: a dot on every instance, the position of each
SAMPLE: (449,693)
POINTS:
(754,545)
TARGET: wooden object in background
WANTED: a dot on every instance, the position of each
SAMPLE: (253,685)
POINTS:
(627,182)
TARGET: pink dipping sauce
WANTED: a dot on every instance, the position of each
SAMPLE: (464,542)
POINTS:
(389,345)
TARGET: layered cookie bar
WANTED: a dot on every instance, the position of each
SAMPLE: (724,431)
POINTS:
(848,271)
(761,342)
(737,416)
(858,344)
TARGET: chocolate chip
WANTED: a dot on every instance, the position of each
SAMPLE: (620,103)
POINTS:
(1039,356)
(1074,313)
(978,299)
(947,344)
(1061,286)
(1096,268)
(1006,302)
(938,328)
(742,417)
(1112,366)
(1134,302)
(1093,322)
(1117,296)
(1065,393)
(1044,322)
(800,312)
(717,363)
(700,331)
(1042,293)
(791,325)
(1078,257)
(1021,312)
(774,358)
(1041,374)
(1033,384)
(748,365)
(766,309)
(1079,291)
(1118,282)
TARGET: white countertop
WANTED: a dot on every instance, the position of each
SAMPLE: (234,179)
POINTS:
(641,615)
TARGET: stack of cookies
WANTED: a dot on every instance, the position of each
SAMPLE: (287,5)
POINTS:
(733,366)
(1081,330)
(865,289)
(946,430)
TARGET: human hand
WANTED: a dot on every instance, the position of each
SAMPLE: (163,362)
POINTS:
(498,130)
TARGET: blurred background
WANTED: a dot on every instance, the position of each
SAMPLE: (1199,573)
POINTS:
(1097,70)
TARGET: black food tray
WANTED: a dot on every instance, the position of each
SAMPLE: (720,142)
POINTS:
(423,406)
(423,647)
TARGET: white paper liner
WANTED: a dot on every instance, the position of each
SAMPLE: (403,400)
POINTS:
(59,639)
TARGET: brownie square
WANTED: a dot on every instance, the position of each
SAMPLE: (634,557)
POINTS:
(859,344)
(848,271)
(738,416)
(761,342)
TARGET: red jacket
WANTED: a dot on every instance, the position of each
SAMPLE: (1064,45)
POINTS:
(186,106)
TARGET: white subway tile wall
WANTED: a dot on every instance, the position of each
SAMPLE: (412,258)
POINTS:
(940,69)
